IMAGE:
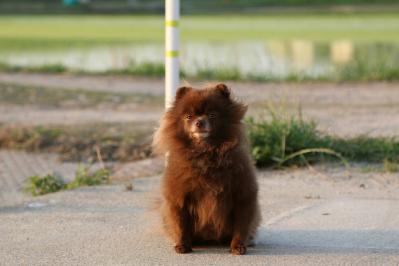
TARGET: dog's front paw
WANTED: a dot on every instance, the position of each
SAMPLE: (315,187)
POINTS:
(238,249)
(182,248)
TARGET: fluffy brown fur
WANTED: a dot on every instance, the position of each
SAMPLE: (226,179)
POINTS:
(209,186)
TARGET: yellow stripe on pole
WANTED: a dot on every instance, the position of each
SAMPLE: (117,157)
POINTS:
(172,23)
(172,53)
(172,64)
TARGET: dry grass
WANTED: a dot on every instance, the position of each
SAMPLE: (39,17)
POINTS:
(116,142)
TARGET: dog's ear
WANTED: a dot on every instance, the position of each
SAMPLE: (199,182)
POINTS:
(223,90)
(182,91)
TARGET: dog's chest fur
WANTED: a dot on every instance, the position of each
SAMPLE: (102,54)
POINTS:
(210,200)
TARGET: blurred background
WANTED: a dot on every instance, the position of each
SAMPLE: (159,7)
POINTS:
(238,40)
(81,81)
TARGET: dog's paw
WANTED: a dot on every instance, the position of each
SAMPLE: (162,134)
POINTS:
(238,249)
(181,249)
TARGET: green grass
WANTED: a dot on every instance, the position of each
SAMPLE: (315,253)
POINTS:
(144,69)
(52,68)
(40,185)
(59,32)
(86,178)
(220,6)
(280,141)
(390,167)
(360,69)
(44,33)
(378,64)
(147,69)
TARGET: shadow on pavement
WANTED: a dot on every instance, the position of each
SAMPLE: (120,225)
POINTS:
(294,242)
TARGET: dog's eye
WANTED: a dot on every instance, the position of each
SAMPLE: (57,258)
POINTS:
(188,117)
(212,115)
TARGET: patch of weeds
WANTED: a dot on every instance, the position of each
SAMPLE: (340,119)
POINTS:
(364,67)
(365,148)
(292,141)
(390,167)
(33,139)
(47,68)
(285,141)
(378,62)
(147,69)
(86,178)
(219,74)
(116,141)
(40,185)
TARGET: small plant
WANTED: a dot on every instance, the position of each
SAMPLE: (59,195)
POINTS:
(283,140)
(148,69)
(390,167)
(40,185)
(85,178)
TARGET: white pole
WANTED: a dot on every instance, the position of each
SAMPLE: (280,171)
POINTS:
(172,16)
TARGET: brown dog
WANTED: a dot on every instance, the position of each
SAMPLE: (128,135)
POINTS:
(209,185)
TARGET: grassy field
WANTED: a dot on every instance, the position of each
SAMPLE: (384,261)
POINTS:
(374,36)
(48,32)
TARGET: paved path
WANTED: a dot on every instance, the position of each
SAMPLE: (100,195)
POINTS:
(17,166)
(329,217)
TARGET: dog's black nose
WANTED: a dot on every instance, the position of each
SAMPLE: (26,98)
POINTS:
(200,123)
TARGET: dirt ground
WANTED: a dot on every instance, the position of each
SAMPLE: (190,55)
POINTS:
(345,109)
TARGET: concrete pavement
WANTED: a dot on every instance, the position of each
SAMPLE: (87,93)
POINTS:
(307,221)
